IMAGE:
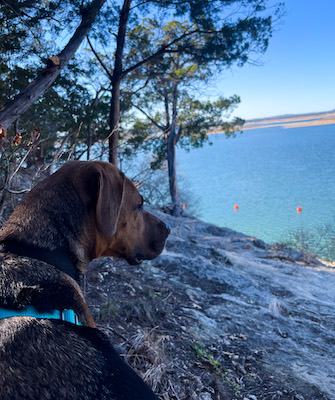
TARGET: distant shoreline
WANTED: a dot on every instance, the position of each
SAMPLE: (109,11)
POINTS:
(295,121)
(287,122)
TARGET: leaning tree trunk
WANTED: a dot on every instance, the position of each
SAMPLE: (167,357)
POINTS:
(114,116)
(55,64)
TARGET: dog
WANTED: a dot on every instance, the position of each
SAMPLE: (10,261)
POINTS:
(50,347)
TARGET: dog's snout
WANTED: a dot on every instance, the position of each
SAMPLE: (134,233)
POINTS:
(167,228)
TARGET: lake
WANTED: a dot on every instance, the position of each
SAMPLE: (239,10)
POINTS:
(268,173)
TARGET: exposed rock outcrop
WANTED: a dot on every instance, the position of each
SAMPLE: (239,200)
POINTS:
(220,315)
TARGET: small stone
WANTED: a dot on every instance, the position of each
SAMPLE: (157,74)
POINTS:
(205,396)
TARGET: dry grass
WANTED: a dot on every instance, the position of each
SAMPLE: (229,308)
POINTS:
(147,355)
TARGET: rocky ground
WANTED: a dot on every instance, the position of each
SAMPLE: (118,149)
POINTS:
(220,315)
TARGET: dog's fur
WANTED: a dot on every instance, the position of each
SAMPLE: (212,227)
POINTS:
(84,211)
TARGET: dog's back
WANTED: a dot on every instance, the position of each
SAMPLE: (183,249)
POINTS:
(83,211)
(48,359)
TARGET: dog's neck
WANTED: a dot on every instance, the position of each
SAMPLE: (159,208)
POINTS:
(58,258)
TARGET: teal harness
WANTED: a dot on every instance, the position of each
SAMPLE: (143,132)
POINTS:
(30,311)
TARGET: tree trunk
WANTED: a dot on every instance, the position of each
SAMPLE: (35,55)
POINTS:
(114,115)
(114,122)
(91,126)
(173,137)
(177,209)
(89,140)
(55,64)
(3,191)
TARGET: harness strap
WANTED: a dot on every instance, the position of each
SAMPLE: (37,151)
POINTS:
(30,311)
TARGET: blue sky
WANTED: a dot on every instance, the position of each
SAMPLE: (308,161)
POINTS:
(297,74)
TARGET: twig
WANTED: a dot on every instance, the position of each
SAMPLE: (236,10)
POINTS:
(108,328)
(73,147)
(19,166)
(58,152)
(15,191)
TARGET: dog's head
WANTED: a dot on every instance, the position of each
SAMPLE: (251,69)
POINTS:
(122,227)
(89,209)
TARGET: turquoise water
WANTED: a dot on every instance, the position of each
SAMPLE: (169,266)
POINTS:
(268,173)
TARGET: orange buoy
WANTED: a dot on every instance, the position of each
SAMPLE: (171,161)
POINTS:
(184,205)
(299,209)
(236,207)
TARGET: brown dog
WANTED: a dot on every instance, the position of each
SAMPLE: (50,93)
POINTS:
(83,211)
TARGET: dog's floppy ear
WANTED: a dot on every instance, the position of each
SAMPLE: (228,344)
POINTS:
(110,193)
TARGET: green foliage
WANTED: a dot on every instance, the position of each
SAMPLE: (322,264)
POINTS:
(109,309)
(217,367)
(197,118)
(167,95)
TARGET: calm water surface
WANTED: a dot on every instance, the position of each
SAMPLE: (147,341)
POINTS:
(268,172)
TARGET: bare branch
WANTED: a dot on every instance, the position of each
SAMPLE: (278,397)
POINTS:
(16,191)
(135,92)
(58,153)
(160,127)
(108,72)
(73,147)
(178,135)
(19,166)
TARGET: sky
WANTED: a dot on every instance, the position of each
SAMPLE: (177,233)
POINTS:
(297,74)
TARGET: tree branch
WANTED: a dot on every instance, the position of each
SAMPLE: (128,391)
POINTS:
(178,135)
(167,113)
(109,74)
(158,52)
